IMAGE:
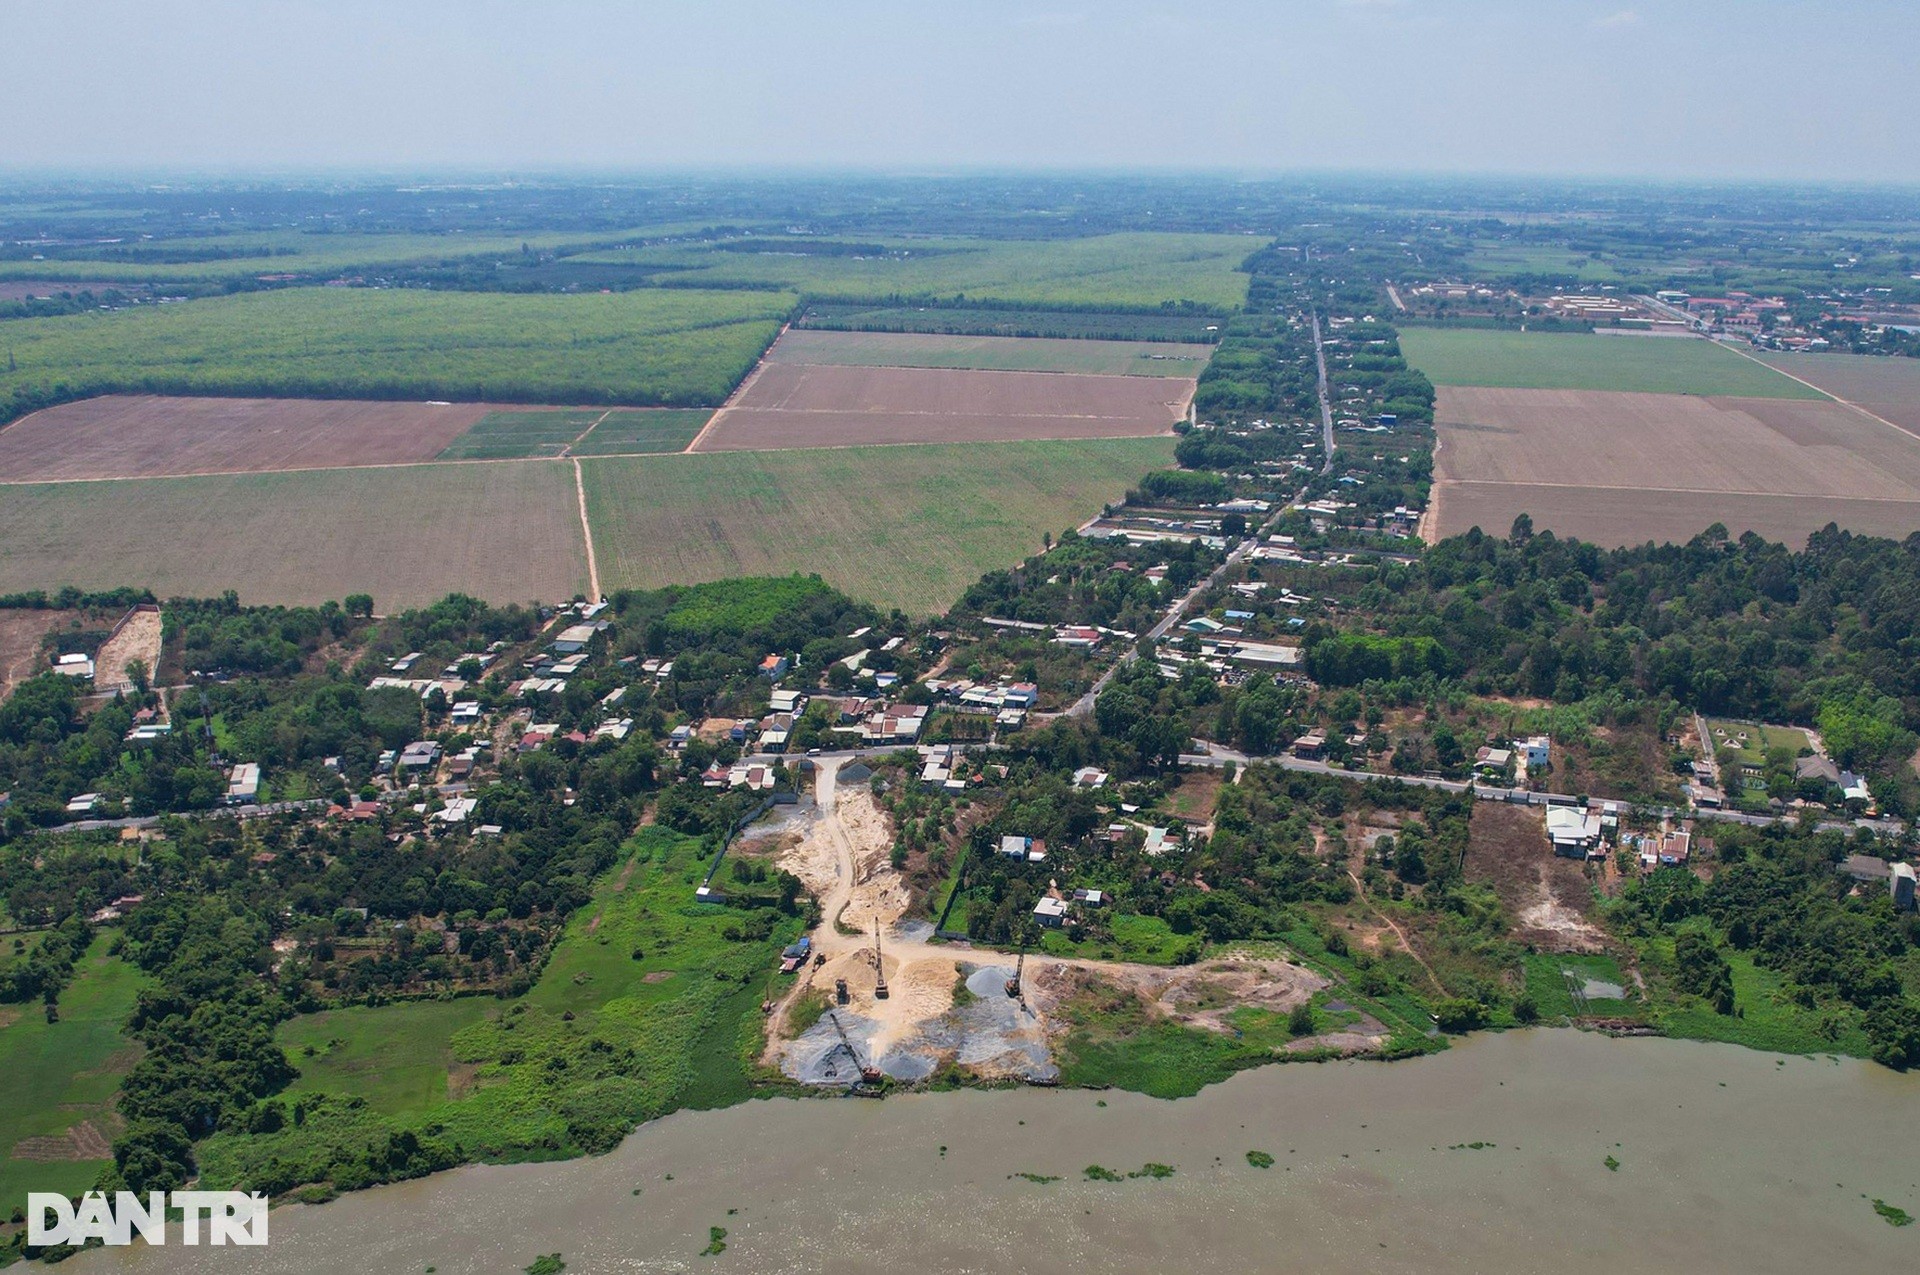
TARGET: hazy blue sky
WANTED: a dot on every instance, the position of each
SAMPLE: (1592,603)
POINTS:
(1676,88)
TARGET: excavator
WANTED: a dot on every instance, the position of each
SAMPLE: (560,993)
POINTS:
(870,1076)
(1019,967)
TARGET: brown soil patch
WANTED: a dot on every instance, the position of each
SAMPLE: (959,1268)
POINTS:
(462,1079)
(21,633)
(136,637)
(1198,996)
(657,976)
(138,436)
(806,405)
(1548,897)
(1620,468)
(83,1141)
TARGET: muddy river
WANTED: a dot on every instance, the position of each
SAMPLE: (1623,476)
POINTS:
(1728,1160)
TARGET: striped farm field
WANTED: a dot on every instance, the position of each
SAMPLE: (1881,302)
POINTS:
(408,535)
(990,353)
(907,527)
(1582,361)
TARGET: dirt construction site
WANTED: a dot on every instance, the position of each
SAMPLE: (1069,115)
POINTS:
(923,1022)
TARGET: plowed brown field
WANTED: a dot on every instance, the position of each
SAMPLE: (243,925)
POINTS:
(807,405)
(148,436)
(1625,468)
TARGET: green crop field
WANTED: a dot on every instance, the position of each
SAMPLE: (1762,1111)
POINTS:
(408,535)
(519,435)
(61,1077)
(673,347)
(907,527)
(636,433)
(1084,325)
(993,353)
(248,255)
(1123,270)
(1579,361)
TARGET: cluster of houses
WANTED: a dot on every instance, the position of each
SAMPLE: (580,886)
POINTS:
(1009,703)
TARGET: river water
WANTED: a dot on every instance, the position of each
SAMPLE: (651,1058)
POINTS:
(1729,1160)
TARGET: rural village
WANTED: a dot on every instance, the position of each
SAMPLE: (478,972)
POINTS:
(943,660)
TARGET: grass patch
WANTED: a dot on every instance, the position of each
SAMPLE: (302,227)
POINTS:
(519,435)
(810,1009)
(1040,1179)
(399,1058)
(635,433)
(1579,361)
(1547,983)
(716,1242)
(908,527)
(1260,1159)
(1146,940)
(61,1078)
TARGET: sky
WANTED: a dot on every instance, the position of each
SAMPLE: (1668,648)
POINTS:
(1777,89)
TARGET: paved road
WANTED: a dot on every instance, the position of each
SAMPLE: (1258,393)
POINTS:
(223,812)
(1217,755)
(1326,402)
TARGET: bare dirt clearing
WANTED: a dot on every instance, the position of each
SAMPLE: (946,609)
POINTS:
(136,637)
(1547,895)
(1622,468)
(923,1023)
(146,436)
(805,405)
(21,633)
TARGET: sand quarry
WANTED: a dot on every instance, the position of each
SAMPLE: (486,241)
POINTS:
(840,849)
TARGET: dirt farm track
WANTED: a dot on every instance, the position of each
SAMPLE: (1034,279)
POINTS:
(1619,468)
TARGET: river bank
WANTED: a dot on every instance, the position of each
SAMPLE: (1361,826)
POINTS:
(1491,1156)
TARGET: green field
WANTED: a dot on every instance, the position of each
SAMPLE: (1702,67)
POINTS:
(397,1057)
(1002,321)
(643,432)
(63,1074)
(1579,361)
(646,1006)
(1139,270)
(519,435)
(1008,354)
(1759,739)
(250,254)
(907,527)
(408,535)
(1547,984)
(671,347)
